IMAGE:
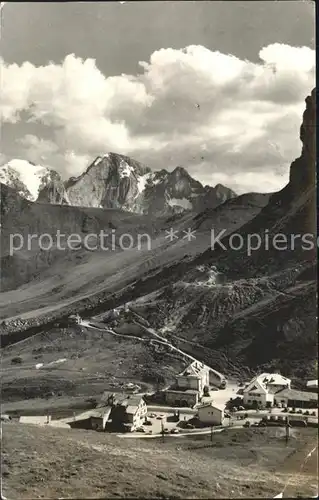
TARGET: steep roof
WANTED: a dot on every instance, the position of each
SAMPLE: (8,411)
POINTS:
(130,402)
(255,385)
(194,369)
(98,413)
(135,399)
(122,399)
(131,410)
(274,378)
(267,379)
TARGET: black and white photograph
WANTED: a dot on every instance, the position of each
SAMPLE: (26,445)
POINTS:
(158,292)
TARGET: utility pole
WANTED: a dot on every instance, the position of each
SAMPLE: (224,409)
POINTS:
(211,433)
(163,434)
(287,430)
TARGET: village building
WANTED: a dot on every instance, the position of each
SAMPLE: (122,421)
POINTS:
(136,411)
(296,399)
(211,414)
(312,385)
(261,389)
(257,393)
(195,376)
(91,419)
(35,419)
(182,398)
(128,412)
(189,385)
(124,413)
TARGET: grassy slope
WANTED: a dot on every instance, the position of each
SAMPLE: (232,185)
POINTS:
(96,361)
(53,463)
(64,279)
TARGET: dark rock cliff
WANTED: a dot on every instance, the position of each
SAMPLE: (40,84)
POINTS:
(117,181)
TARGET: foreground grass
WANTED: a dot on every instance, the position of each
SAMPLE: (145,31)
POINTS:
(53,463)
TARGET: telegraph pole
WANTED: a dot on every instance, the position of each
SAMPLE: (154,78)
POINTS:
(287,430)
(211,433)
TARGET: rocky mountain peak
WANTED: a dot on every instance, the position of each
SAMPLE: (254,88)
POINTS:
(115,181)
(111,181)
(123,164)
(33,182)
(289,212)
(224,193)
(302,173)
(180,172)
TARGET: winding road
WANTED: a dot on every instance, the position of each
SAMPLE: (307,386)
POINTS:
(156,338)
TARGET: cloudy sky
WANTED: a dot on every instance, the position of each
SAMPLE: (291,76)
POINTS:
(217,87)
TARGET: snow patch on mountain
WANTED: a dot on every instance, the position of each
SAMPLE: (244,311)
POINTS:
(97,161)
(24,176)
(125,170)
(142,181)
(180,202)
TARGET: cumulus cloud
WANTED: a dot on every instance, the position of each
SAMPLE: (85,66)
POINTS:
(219,116)
(40,150)
(47,153)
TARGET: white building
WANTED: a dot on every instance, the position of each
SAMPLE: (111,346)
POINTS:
(136,411)
(38,420)
(126,410)
(211,414)
(195,377)
(312,385)
(261,389)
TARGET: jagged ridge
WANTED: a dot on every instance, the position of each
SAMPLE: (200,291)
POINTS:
(115,181)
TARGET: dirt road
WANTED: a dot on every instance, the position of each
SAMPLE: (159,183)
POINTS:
(158,338)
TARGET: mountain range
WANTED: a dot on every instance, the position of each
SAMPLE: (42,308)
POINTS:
(115,181)
(233,310)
